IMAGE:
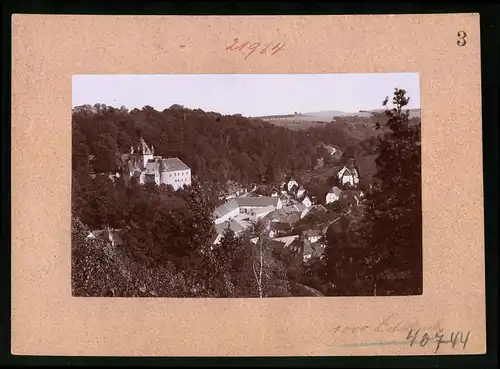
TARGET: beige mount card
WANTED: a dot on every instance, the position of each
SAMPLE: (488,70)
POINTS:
(444,49)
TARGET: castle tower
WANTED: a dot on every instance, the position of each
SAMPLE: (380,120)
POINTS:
(163,173)
(146,152)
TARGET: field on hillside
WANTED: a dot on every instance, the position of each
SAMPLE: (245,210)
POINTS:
(297,125)
(321,119)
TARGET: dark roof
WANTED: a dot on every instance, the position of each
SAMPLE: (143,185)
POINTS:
(226,208)
(260,201)
(115,234)
(276,245)
(312,233)
(290,218)
(295,208)
(296,244)
(279,226)
(135,165)
(172,165)
(318,249)
(318,209)
(337,191)
(152,167)
(308,250)
(233,225)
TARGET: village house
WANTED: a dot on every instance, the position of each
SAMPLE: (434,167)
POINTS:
(278,229)
(220,228)
(312,251)
(301,192)
(287,240)
(274,246)
(307,251)
(296,245)
(292,183)
(285,199)
(289,218)
(248,204)
(246,207)
(333,195)
(312,236)
(226,211)
(317,210)
(291,213)
(348,175)
(233,190)
(283,188)
(307,202)
(107,234)
(292,243)
(143,165)
(350,198)
(261,212)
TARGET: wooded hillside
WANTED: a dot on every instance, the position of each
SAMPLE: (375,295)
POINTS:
(216,147)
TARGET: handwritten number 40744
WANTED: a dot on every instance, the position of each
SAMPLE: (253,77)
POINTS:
(250,47)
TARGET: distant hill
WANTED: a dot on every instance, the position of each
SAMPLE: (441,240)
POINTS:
(325,116)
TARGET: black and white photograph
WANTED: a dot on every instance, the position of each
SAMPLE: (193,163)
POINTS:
(246,185)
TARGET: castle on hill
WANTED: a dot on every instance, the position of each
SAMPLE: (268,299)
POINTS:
(145,167)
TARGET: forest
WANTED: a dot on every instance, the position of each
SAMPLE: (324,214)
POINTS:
(216,147)
(168,235)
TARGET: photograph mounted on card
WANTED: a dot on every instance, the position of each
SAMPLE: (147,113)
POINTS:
(275,183)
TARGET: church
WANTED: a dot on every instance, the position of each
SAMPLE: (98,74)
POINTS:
(349,174)
(145,167)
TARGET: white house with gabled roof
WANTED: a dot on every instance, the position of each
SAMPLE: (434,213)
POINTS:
(333,195)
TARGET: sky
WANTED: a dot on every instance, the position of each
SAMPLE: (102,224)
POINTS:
(247,94)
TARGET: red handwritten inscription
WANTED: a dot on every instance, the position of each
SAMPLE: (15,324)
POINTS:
(248,48)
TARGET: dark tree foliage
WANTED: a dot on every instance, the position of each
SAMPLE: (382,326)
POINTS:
(94,269)
(216,147)
(394,215)
(380,253)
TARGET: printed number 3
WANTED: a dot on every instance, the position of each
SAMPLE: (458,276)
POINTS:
(461,38)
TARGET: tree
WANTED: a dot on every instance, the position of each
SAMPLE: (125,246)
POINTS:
(258,267)
(375,249)
(105,200)
(258,273)
(80,152)
(394,217)
(201,229)
(222,258)
(95,267)
(270,173)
